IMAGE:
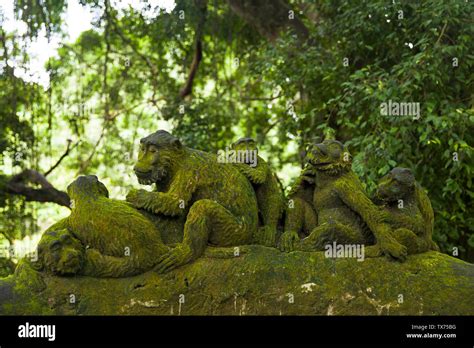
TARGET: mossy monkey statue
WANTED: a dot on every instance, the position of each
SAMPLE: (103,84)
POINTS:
(409,210)
(217,199)
(345,213)
(267,188)
(300,217)
(101,237)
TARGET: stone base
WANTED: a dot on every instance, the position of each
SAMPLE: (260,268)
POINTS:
(262,281)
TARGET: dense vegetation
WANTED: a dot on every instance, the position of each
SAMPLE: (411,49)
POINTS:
(213,71)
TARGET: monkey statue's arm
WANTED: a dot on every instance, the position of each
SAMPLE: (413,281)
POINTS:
(426,209)
(350,191)
(256,175)
(303,181)
(105,266)
(308,174)
(170,203)
(412,223)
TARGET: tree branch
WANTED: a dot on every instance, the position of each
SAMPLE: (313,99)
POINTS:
(153,69)
(188,87)
(18,185)
(87,162)
(64,155)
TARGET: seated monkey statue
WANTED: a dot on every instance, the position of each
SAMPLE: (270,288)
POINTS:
(300,217)
(217,200)
(345,213)
(409,210)
(268,190)
(101,237)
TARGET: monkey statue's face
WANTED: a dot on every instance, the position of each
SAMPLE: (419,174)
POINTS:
(60,253)
(329,156)
(246,145)
(86,186)
(396,185)
(157,154)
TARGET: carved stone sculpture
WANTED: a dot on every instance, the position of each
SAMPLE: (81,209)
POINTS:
(345,213)
(217,199)
(101,238)
(409,210)
(268,191)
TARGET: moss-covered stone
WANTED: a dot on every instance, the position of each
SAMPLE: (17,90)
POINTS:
(300,217)
(268,190)
(408,208)
(260,281)
(101,237)
(345,213)
(217,200)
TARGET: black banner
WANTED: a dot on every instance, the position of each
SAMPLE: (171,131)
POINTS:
(48,330)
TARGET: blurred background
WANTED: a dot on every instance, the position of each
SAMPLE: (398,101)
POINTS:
(81,81)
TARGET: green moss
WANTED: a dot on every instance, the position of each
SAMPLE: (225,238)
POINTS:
(263,281)
(102,237)
(217,200)
(408,208)
(345,213)
(270,199)
(300,217)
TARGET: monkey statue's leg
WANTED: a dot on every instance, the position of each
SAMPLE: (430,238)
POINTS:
(310,221)
(329,233)
(265,235)
(415,244)
(207,222)
(294,223)
(99,265)
(271,205)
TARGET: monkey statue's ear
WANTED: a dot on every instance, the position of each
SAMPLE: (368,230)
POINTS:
(409,176)
(176,144)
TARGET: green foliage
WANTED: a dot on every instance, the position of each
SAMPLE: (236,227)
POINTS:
(383,66)
(40,14)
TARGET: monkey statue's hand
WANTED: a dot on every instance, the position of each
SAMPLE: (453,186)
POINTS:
(288,241)
(139,198)
(389,246)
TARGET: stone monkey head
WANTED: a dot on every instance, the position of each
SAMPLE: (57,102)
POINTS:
(248,145)
(86,186)
(157,156)
(245,144)
(397,184)
(330,156)
(60,253)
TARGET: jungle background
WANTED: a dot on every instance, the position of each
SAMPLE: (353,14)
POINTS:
(211,71)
